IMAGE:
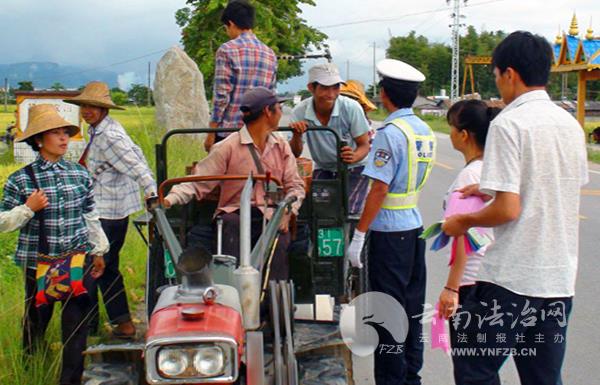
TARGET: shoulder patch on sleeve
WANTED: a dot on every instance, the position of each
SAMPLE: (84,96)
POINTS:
(382,157)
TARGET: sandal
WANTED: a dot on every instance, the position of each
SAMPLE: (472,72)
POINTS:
(123,336)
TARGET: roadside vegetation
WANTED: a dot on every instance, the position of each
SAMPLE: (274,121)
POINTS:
(44,368)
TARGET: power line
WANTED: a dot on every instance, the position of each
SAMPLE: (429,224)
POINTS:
(395,18)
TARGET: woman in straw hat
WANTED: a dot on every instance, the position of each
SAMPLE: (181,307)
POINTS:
(354,89)
(118,168)
(68,225)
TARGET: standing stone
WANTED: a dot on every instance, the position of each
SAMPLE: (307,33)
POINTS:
(179,92)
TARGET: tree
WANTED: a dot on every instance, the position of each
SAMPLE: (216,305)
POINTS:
(139,94)
(481,44)
(304,94)
(433,59)
(278,25)
(57,86)
(118,97)
(25,86)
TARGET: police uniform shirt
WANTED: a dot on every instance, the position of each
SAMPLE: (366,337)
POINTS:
(387,163)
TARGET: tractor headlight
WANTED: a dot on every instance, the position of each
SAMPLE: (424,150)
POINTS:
(172,362)
(209,361)
(192,362)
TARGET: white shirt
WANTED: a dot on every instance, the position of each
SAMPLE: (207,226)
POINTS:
(537,150)
(117,166)
(470,174)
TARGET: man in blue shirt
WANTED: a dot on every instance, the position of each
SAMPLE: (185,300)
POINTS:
(326,108)
(398,165)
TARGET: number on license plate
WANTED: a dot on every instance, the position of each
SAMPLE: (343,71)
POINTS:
(330,242)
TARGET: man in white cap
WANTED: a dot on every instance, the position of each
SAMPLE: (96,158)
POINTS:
(326,108)
(399,164)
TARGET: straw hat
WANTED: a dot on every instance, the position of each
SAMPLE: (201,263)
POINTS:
(355,90)
(45,117)
(95,94)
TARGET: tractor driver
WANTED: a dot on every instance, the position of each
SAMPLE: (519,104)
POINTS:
(253,149)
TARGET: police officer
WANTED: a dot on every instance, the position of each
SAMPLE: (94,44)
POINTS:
(399,164)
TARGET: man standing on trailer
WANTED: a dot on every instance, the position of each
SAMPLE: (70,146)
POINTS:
(242,63)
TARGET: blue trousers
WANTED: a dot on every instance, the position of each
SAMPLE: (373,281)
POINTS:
(495,323)
(397,267)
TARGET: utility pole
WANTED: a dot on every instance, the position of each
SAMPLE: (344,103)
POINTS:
(5,94)
(374,71)
(149,89)
(563,88)
(456,24)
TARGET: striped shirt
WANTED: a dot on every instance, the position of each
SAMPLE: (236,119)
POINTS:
(117,166)
(240,64)
(68,187)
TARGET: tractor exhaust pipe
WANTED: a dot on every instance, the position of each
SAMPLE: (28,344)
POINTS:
(247,278)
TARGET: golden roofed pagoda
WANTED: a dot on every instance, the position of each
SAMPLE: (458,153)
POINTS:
(574,29)
(574,54)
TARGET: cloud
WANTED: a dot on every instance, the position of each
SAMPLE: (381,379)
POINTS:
(91,33)
(126,79)
(100,33)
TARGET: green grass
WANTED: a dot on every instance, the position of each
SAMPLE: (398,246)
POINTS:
(436,123)
(45,365)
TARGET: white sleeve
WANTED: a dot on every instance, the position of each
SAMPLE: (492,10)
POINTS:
(15,218)
(501,160)
(96,234)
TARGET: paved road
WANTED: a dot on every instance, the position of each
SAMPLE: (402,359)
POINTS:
(583,342)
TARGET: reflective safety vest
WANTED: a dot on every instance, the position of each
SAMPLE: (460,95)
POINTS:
(420,149)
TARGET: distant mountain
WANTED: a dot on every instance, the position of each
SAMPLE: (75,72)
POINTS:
(44,74)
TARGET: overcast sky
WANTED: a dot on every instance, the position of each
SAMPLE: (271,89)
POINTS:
(101,33)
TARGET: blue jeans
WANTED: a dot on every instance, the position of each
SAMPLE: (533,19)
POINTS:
(531,329)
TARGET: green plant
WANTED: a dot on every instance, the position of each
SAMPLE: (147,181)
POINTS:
(278,25)
(44,366)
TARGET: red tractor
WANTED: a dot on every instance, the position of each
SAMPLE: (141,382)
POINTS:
(215,320)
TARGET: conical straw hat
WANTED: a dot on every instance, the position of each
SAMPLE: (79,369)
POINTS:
(45,117)
(95,94)
(356,90)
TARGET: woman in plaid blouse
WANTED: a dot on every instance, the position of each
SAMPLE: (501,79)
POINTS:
(64,191)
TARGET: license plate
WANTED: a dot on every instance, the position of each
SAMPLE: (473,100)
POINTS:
(330,242)
(169,266)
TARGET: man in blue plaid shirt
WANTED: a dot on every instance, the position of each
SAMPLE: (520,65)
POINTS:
(242,63)
(118,168)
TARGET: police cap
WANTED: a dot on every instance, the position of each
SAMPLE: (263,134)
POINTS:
(398,70)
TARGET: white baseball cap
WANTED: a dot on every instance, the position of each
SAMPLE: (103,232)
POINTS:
(399,70)
(326,74)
